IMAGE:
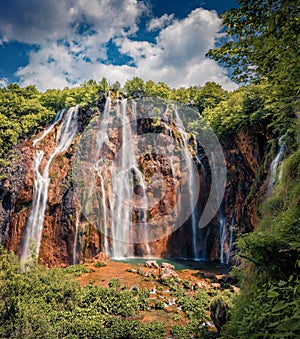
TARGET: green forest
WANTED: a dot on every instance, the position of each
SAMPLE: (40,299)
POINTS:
(263,55)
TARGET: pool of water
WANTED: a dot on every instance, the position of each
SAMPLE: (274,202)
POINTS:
(182,264)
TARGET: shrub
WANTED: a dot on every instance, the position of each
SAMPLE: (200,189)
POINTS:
(114,283)
(100,264)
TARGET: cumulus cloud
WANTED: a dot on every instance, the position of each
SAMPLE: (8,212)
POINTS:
(3,82)
(34,21)
(178,56)
(158,23)
(71,37)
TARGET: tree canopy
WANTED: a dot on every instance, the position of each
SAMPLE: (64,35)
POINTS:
(264,44)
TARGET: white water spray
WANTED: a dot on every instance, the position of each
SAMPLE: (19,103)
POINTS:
(191,181)
(221,217)
(275,163)
(34,226)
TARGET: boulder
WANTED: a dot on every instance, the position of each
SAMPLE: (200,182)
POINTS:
(167,265)
(167,273)
(151,264)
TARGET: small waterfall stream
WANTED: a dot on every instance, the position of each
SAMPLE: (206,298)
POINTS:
(230,242)
(274,175)
(34,226)
(221,217)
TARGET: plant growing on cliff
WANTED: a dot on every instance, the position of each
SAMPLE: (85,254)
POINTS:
(269,275)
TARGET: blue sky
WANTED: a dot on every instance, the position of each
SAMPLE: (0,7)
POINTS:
(59,43)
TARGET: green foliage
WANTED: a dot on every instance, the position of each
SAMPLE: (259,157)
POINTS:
(143,299)
(24,110)
(244,107)
(159,305)
(76,270)
(194,329)
(265,49)
(100,264)
(134,87)
(271,311)
(195,308)
(265,44)
(114,283)
(268,305)
(21,113)
(208,96)
(50,303)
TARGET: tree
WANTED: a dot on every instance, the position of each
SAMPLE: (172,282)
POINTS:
(135,87)
(264,44)
(209,96)
(264,48)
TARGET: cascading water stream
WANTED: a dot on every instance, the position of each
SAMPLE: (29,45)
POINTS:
(275,163)
(221,217)
(122,186)
(34,225)
(230,236)
(191,180)
(222,221)
(104,209)
(145,179)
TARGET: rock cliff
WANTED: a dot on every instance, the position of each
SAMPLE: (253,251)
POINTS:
(68,236)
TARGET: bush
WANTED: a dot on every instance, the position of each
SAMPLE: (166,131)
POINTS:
(159,305)
(100,264)
(114,283)
(50,303)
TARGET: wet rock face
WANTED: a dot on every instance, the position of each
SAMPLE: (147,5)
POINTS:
(16,195)
(61,245)
(244,157)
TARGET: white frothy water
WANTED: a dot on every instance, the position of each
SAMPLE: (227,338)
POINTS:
(231,228)
(117,151)
(191,173)
(34,225)
(275,164)
(221,217)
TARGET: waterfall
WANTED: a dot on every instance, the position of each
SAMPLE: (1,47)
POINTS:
(104,208)
(231,228)
(75,260)
(132,198)
(34,225)
(275,163)
(221,217)
(191,181)
(122,186)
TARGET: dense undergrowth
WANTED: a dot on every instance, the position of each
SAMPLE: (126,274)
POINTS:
(49,303)
(269,305)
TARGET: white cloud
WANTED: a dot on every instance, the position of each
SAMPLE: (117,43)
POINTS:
(72,37)
(158,23)
(32,21)
(178,56)
(3,82)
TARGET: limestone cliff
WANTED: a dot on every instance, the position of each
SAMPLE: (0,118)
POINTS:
(68,236)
